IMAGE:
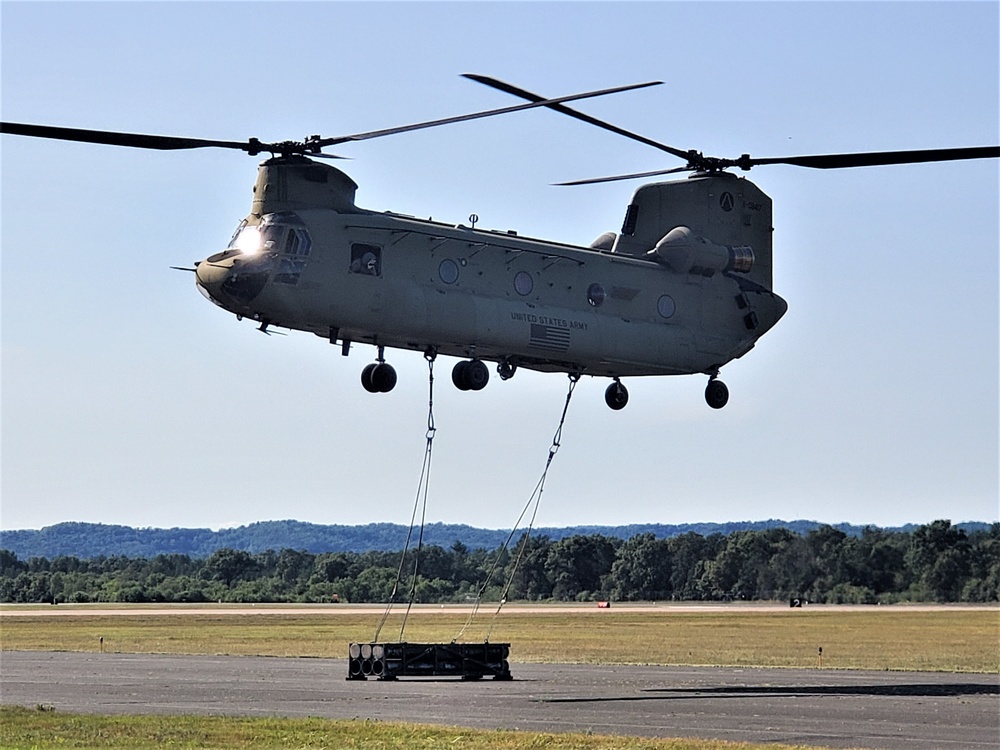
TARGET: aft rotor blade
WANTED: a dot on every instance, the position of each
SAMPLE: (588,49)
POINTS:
(875,158)
(696,160)
(323,142)
(131,140)
(616,178)
(514,90)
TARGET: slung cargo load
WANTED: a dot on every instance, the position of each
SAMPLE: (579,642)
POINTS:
(389,661)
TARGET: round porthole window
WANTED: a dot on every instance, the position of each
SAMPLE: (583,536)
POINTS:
(448,271)
(665,306)
(523,283)
(596,295)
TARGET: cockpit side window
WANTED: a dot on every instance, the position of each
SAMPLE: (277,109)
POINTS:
(287,234)
(289,270)
(292,243)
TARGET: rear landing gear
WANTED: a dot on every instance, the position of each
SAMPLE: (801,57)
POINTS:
(716,393)
(470,375)
(616,396)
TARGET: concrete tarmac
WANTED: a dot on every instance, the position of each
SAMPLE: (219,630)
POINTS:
(911,710)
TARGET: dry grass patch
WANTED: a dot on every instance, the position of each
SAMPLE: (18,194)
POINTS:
(962,640)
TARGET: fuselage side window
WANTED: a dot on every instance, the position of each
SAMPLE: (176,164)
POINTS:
(366,259)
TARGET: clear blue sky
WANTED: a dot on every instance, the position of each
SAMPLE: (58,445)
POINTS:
(127,398)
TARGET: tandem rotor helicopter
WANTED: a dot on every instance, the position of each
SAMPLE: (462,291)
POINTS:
(684,288)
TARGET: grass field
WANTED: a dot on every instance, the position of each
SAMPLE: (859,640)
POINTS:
(945,639)
(30,729)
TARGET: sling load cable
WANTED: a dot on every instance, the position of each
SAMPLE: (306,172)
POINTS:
(536,496)
(422,486)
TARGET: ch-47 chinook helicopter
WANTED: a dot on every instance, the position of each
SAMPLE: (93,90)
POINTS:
(684,288)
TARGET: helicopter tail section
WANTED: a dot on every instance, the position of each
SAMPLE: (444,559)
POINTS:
(704,224)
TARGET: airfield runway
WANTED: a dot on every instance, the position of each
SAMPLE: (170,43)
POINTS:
(909,710)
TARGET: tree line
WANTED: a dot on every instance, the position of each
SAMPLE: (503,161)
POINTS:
(936,562)
(95,539)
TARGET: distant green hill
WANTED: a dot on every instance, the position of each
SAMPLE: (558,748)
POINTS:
(90,540)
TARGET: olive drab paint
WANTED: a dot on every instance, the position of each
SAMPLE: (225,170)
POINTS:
(315,261)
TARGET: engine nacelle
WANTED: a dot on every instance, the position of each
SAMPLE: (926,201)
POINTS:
(686,252)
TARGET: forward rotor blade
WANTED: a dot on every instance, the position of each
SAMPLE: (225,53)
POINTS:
(253,146)
(616,178)
(324,142)
(875,158)
(515,91)
(131,140)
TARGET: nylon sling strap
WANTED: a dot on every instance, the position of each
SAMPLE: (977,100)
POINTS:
(419,501)
(533,502)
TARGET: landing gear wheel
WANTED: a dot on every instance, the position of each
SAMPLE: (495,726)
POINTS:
(458,375)
(477,375)
(383,377)
(616,396)
(366,378)
(716,394)
(470,375)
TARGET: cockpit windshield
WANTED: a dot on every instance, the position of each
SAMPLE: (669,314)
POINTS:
(236,235)
(276,234)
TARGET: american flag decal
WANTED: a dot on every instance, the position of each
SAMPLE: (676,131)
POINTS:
(549,338)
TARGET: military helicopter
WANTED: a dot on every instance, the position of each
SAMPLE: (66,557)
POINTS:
(684,288)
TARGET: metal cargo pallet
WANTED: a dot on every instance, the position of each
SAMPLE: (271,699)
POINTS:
(389,661)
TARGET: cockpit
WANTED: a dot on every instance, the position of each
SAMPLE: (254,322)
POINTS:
(274,249)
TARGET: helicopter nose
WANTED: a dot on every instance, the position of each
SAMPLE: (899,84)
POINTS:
(209,278)
(233,280)
(210,275)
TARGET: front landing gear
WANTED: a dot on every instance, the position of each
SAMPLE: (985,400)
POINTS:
(616,396)
(716,393)
(379,376)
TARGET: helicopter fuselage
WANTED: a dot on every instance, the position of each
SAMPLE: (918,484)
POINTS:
(311,260)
